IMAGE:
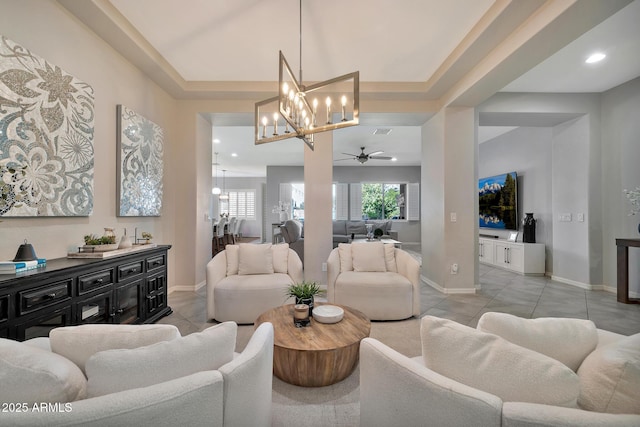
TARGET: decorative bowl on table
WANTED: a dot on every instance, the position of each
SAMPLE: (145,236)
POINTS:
(328,314)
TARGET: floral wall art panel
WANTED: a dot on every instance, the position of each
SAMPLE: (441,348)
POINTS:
(140,164)
(46,137)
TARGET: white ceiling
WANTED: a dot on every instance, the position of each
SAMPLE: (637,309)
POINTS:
(424,42)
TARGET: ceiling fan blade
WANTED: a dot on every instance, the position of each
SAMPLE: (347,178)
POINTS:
(375,153)
(380,157)
(349,154)
(339,160)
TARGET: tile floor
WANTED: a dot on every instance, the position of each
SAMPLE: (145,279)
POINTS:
(525,296)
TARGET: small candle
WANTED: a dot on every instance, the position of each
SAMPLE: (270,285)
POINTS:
(344,104)
(264,126)
(301,315)
(286,123)
(275,123)
(291,110)
(285,94)
(315,111)
(328,110)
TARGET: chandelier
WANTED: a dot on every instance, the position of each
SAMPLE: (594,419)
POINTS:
(303,111)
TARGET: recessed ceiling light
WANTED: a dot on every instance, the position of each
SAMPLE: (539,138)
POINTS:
(595,57)
(216,141)
(381,131)
(234,154)
(393,159)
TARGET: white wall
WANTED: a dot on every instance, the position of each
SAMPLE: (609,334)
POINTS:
(449,186)
(594,157)
(527,151)
(620,170)
(49,31)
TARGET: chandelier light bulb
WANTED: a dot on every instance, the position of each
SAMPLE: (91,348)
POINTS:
(275,123)
(264,126)
(328,101)
(216,190)
(344,105)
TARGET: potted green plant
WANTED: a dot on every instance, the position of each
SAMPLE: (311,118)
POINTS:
(304,293)
(99,244)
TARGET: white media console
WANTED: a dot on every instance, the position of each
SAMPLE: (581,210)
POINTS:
(523,258)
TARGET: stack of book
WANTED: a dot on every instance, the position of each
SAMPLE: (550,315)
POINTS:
(9,267)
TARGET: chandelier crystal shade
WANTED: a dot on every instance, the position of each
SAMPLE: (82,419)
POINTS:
(303,111)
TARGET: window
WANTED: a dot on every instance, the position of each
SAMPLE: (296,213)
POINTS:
(241,204)
(383,200)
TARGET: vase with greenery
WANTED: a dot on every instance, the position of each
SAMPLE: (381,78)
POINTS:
(304,293)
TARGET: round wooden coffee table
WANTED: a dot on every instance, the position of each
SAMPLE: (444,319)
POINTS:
(319,354)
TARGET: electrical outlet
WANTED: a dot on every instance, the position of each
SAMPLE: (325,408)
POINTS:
(580,217)
(454,268)
(454,217)
(324,266)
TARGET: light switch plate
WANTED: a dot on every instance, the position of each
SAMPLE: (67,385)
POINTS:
(580,217)
(565,217)
(454,217)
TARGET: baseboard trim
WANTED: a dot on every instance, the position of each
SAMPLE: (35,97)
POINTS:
(186,288)
(446,290)
(578,284)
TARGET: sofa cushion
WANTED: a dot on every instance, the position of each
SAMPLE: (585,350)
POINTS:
(280,253)
(390,257)
(368,256)
(356,227)
(383,225)
(340,227)
(346,260)
(111,371)
(255,259)
(566,340)
(79,343)
(493,364)
(231,252)
(32,375)
(610,378)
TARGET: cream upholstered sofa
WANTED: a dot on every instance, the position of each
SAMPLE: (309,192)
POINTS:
(245,280)
(509,372)
(108,375)
(378,279)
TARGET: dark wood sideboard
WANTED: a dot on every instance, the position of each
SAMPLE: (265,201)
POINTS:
(131,288)
(623,269)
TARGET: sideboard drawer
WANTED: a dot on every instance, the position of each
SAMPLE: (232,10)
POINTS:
(93,281)
(44,296)
(156,262)
(128,271)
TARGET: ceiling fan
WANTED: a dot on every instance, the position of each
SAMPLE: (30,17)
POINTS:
(363,157)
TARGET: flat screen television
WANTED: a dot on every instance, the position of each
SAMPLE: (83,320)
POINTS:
(498,196)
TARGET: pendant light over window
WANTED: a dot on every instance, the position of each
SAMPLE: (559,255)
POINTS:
(216,189)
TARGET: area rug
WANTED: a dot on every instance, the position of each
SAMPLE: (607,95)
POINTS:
(337,404)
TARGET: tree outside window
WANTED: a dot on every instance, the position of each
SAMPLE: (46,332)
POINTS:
(380,201)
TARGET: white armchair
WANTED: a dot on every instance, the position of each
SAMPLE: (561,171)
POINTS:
(381,281)
(397,390)
(245,280)
(213,397)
